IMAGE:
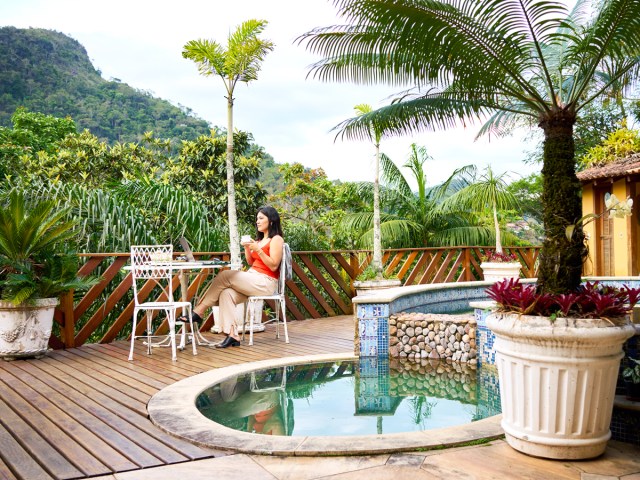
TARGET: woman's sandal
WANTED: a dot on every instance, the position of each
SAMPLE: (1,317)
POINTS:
(195,318)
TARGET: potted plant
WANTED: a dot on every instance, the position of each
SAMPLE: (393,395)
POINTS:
(498,266)
(631,377)
(370,280)
(558,357)
(33,273)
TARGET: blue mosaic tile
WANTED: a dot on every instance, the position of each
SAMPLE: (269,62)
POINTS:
(368,328)
(485,339)
(381,310)
(488,391)
(365,310)
(373,330)
(383,337)
(373,382)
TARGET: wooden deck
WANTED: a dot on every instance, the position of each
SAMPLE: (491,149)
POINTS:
(81,412)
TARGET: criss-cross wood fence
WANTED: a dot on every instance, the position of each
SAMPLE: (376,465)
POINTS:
(322,286)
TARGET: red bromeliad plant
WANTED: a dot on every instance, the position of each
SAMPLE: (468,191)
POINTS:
(500,257)
(591,300)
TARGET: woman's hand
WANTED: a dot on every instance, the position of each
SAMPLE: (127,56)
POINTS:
(247,251)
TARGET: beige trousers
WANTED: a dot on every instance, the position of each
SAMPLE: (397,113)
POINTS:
(230,288)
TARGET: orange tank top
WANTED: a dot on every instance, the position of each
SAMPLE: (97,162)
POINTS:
(260,267)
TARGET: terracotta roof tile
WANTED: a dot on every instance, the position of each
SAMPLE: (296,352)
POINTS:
(620,168)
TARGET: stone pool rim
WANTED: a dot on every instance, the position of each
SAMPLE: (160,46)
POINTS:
(173,409)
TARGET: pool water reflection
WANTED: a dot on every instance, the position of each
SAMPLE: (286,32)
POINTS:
(351,397)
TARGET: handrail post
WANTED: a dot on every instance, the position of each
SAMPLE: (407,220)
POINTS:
(353,261)
(466,261)
(69,322)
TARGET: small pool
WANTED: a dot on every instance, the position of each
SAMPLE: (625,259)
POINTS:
(175,408)
(352,397)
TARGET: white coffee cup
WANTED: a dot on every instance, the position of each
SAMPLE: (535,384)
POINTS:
(246,239)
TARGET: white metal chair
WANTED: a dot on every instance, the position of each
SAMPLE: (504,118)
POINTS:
(281,392)
(278,297)
(153,263)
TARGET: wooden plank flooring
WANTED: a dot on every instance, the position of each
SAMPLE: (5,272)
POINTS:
(82,412)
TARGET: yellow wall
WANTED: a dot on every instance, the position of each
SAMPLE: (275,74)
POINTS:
(622,235)
(588,207)
(626,231)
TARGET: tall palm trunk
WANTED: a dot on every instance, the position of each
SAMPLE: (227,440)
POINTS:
(560,258)
(234,239)
(377,235)
(496,225)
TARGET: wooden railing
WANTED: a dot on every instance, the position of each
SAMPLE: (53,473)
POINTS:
(322,286)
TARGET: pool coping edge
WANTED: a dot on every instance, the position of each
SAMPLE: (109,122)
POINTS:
(173,409)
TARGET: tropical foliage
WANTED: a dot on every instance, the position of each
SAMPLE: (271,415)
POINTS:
(596,122)
(503,62)
(486,193)
(414,218)
(528,193)
(500,257)
(131,193)
(240,61)
(591,300)
(33,262)
(619,144)
(312,207)
(200,169)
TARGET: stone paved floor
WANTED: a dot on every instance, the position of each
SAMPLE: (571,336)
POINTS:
(495,460)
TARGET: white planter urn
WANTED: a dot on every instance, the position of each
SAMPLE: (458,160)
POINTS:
(367,287)
(497,271)
(25,329)
(557,382)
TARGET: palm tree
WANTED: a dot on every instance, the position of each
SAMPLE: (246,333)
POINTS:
(413,218)
(498,61)
(376,136)
(239,62)
(488,192)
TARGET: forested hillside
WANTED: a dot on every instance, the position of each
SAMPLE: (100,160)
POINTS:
(49,72)
(122,176)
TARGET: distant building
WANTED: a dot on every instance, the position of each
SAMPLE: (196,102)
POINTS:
(613,243)
(527,229)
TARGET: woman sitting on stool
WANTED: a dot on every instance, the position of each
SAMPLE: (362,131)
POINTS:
(232,287)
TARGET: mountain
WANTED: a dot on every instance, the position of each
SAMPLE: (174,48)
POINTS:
(49,72)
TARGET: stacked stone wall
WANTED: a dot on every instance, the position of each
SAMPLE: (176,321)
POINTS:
(433,336)
(433,378)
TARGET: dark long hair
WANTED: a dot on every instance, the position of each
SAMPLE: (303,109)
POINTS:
(274,222)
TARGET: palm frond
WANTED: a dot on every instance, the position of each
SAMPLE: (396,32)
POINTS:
(609,37)
(208,56)
(463,236)
(393,178)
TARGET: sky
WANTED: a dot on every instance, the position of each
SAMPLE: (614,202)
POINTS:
(288,112)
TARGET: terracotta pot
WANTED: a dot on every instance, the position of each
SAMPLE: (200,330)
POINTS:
(25,329)
(557,382)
